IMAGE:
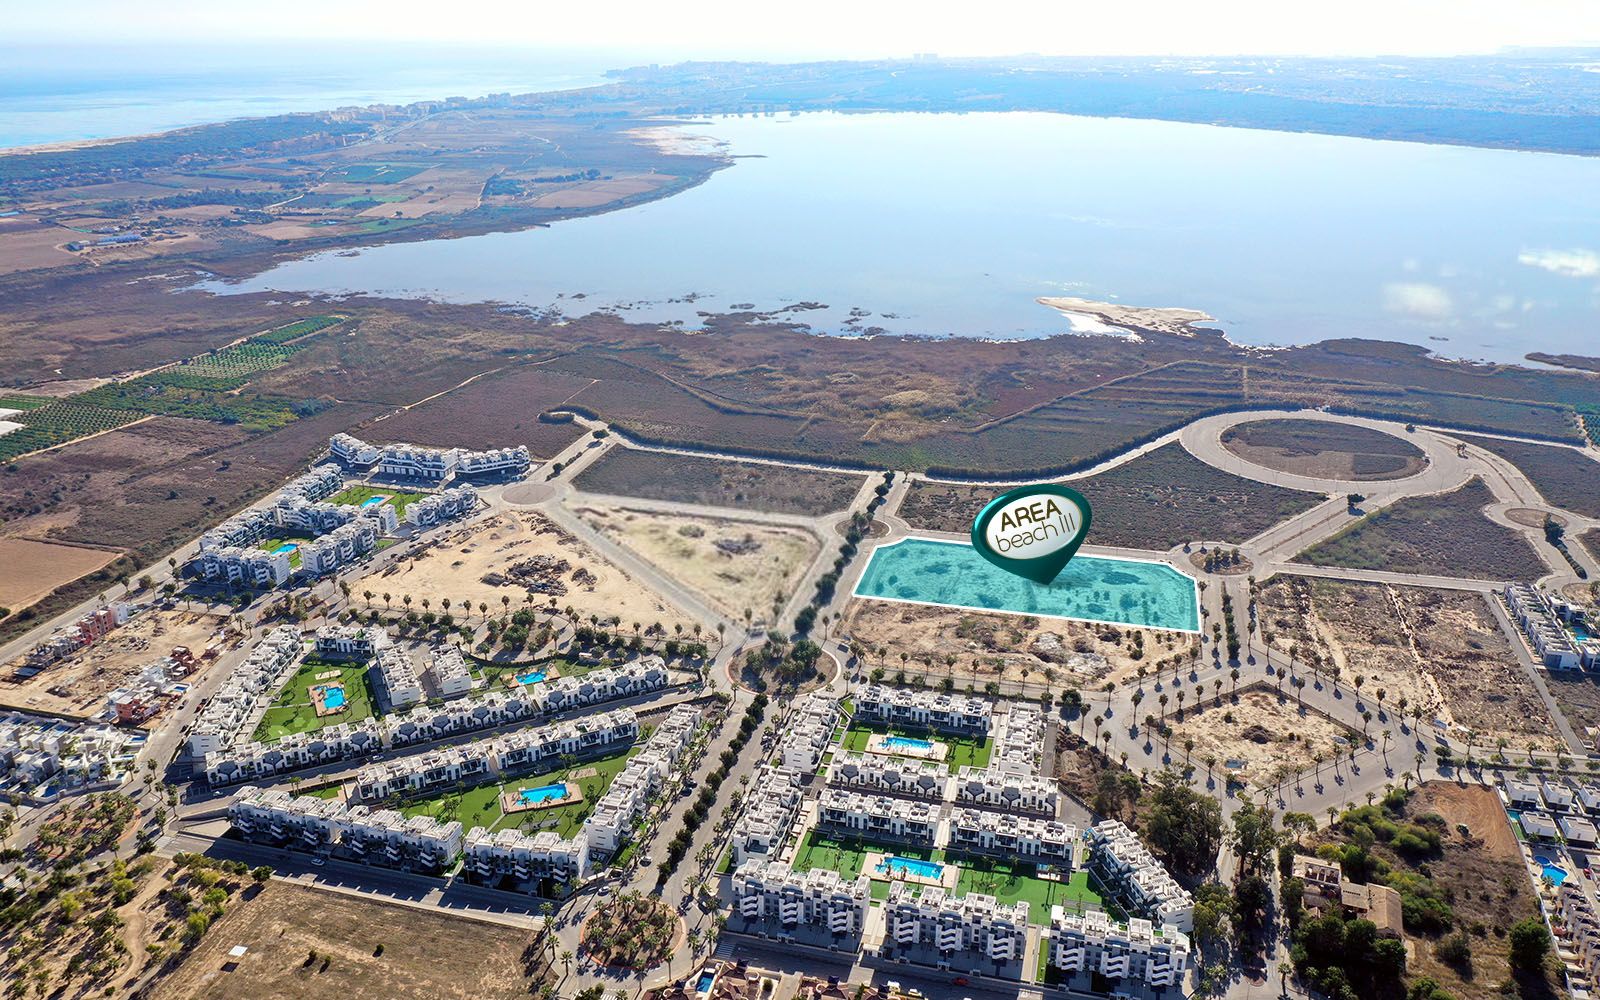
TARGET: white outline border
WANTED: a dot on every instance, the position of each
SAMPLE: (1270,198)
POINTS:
(856,590)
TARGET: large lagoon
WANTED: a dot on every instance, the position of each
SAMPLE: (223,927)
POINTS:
(955,224)
(1090,588)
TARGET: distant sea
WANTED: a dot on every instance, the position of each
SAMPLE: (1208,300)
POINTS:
(61,95)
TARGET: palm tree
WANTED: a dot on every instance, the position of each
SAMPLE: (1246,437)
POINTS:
(388,600)
(1235,675)
(1163,703)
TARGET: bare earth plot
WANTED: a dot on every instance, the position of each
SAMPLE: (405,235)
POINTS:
(1156,501)
(1569,479)
(426,954)
(79,684)
(1446,535)
(1258,740)
(478,562)
(34,569)
(735,564)
(991,647)
(1438,649)
(1324,450)
(741,485)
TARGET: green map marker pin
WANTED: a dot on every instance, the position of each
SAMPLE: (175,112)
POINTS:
(1032,531)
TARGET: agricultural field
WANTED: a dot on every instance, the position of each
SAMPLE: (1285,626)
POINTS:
(964,751)
(733,564)
(654,475)
(1568,478)
(376,173)
(517,556)
(58,423)
(1445,535)
(1155,501)
(77,686)
(998,647)
(1256,739)
(480,806)
(363,948)
(33,569)
(1324,450)
(293,712)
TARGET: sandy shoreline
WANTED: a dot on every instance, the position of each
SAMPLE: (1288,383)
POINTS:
(1129,319)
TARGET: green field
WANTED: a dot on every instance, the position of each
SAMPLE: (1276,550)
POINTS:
(15,401)
(398,499)
(292,712)
(480,806)
(57,422)
(821,850)
(375,173)
(964,750)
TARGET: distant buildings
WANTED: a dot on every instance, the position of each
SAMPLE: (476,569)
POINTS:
(42,758)
(453,503)
(255,568)
(1543,621)
(86,631)
(437,465)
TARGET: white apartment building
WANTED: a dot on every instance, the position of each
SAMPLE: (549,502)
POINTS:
(270,814)
(352,450)
(524,859)
(989,788)
(611,823)
(772,893)
(318,484)
(241,531)
(1027,838)
(975,924)
(446,505)
(1137,950)
(339,547)
(410,461)
(248,567)
(295,513)
(1543,627)
(950,713)
(1019,740)
(265,669)
(917,779)
(449,672)
(385,837)
(495,460)
(808,731)
(398,676)
(350,642)
(1133,877)
(769,812)
(878,816)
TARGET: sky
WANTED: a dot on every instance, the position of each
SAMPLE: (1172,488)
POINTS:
(836,28)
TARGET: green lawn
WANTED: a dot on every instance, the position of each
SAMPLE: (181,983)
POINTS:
(820,850)
(272,544)
(1014,883)
(398,499)
(292,712)
(964,750)
(493,672)
(480,806)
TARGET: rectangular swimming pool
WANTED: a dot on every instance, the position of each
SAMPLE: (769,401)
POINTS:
(373,501)
(332,697)
(286,547)
(542,794)
(894,865)
(1091,588)
(906,743)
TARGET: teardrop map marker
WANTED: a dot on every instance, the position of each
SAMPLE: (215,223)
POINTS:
(1032,531)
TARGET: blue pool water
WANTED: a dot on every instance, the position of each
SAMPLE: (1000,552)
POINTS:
(1091,588)
(333,697)
(1552,871)
(531,677)
(906,743)
(373,501)
(544,793)
(895,864)
(706,979)
(286,547)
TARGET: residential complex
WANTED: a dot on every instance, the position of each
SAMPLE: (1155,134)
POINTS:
(1127,870)
(775,894)
(975,923)
(1140,950)
(950,713)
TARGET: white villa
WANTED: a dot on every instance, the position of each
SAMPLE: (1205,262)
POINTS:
(808,731)
(878,816)
(398,676)
(950,713)
(975,923)
(772,893)
(1133,877)
(1137,950)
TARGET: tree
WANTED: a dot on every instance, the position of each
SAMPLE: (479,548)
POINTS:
(1530,942)
(1253,839)
(1183,825)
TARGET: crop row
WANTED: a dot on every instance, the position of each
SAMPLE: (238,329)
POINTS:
(295,330)
(56,423)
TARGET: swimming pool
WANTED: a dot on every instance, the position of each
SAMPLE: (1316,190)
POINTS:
(707,979)
(906,743)
(1091,588)
(542,794)
(332,697)
(1552,871)
(896,865)
(286,547)
(531,677)
(374,501)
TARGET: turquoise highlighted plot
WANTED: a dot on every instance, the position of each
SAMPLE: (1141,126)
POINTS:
(1090,588)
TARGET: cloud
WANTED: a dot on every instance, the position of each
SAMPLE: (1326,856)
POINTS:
(1567,263)
(1418,301)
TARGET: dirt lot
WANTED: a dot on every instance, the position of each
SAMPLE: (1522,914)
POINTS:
(1259,739)
(426,955)
(33,569)
(1155,501)
(455,565)
(739,485)
(1445,534)
(1439,649)
(1004,647)
(1324,450)
(78,686)
(735,564)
